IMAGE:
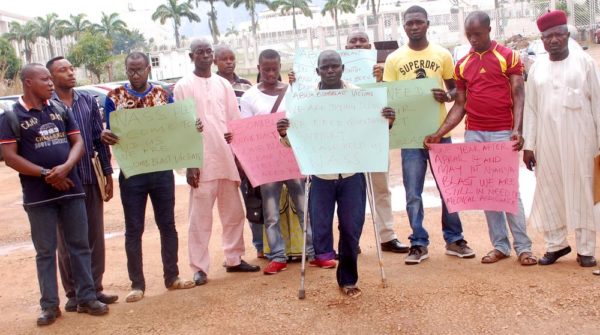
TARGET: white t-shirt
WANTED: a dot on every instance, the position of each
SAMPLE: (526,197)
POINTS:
(254,102)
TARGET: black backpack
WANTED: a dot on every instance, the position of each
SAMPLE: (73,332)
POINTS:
(13,120)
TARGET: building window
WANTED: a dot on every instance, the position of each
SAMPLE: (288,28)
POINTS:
(155,61)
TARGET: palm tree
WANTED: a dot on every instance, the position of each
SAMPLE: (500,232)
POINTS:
(110,25)
(287,6)
(212,15)
(47,27)
(251,8)
(336,7)
(375,11)
(26,34)
(175,11)
(231,30)
(77,25)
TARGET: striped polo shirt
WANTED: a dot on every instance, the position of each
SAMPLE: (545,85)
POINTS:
(486,79)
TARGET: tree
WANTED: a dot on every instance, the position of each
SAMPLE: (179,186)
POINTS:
(47,28)
(336,7)
(251,9)
(125,42)
(287,6)
(26,34)
(175,11)
(212,16)
(375,11)
(110,25)
(77,25)
(9,62)
(93,51)
(231,30)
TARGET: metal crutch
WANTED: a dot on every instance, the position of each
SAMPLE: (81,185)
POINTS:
(371,197)
(301,291)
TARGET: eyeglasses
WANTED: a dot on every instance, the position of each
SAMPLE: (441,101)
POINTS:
(200,52)
(140,73)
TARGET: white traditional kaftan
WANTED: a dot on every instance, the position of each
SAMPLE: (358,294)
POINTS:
(561,125)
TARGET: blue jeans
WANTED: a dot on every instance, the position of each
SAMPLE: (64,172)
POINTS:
(44,220)
(255,228)
(160,186)
(350,195)
(497,220)
(271,194)
(414,168)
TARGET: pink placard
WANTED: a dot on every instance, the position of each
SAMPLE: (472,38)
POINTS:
(477,175)
(256,145)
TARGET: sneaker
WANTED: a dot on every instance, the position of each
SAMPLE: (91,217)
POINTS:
(416,254)
(459,249)
(325,264)
(274,267)
(71,305)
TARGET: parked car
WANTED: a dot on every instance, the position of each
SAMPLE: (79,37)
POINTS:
(98,92)
(460,51)
(6,103)
(536,48)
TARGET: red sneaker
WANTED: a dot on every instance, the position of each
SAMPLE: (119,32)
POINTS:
(274,267)
(325,264)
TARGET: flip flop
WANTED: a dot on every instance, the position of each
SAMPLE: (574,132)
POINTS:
(526,258)
(351,291)
(180,284)
(493,256)
(134,296)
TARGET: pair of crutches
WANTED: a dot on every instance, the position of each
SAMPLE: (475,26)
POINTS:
(371,198)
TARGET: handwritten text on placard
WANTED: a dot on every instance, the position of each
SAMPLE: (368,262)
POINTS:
(157,138)
(256,145)
(477,175)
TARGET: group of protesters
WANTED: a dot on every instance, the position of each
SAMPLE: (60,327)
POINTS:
(55,135)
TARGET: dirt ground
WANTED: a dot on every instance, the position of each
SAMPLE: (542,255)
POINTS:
(443,295)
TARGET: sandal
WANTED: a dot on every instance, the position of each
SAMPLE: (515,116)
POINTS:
(526,258)
(180,284)
(134,295)
(352,291)
(493,256)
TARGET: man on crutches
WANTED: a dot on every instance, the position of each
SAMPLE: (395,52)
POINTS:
(347,190)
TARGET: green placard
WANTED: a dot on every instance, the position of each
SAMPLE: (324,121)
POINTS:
(417,112)
(157,138)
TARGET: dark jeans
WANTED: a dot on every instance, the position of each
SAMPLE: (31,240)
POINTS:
(94,208)
(160,186)
(414,168)
(350,195)
(44,220)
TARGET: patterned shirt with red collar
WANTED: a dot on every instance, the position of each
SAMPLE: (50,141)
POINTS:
(123,97)
(485,77)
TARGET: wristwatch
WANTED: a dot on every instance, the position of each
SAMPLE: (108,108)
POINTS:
(44,173)
(448,96)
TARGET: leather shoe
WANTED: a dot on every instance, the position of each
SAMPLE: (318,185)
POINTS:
(552,256)
(92,307)
(200,278)
(48,316)
(586,261)
(243,267)
(395,246)
(71,305)
(107,298)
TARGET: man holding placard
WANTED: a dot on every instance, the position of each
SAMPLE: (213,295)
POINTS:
(135,190)
(218,179)
(415,60)
(562,123)
(347,190)
(358,39)
(262,99)
(490,92)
